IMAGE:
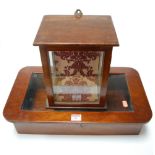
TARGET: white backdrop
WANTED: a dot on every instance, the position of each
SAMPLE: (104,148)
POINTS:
(135,26)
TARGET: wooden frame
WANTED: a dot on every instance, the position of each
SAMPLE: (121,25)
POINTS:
(48,80)
(112,122)
(103,39)
(47,74)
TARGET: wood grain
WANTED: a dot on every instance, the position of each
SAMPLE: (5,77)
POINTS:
(69,31)
(54,122)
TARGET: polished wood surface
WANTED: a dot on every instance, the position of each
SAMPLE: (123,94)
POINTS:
(67,31)
(94,33)
(142,112)
(47,121)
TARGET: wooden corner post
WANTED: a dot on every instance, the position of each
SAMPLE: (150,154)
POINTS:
(47,74)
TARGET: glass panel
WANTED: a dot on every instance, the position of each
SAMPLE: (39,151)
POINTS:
(35,97)
(76,76)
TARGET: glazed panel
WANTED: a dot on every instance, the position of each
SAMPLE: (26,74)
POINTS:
(76,76)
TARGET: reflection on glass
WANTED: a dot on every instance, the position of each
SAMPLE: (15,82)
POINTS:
(76,76)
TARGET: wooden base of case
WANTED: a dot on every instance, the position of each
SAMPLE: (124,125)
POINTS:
(126,113)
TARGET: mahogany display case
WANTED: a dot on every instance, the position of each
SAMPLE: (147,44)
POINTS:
(79,48)
(76,91)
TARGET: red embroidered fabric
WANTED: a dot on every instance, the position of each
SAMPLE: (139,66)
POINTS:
(76,76)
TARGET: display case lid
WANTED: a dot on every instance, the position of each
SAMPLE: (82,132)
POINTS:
(69,31)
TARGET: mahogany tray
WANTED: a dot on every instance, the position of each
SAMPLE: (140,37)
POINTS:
(26,107)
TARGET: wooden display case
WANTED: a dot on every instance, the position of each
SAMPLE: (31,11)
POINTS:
(76,91)
(79,49)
